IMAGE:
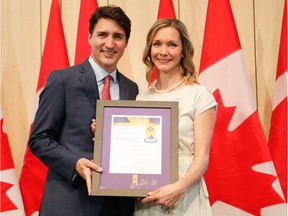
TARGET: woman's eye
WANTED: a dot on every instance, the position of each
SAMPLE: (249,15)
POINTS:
(156,44)
(172,45)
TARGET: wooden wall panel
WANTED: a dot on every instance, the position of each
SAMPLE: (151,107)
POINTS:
(70,11)
(268,21)
(193,15)
(23,32)
(44,16)
(20,57)
(243,15)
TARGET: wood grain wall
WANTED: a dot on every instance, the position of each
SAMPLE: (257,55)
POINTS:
(23,29)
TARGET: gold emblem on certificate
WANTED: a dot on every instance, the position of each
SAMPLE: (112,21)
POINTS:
(134,180)
(150,133)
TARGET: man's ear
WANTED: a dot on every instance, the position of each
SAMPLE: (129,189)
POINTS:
(89,38)
(127,43)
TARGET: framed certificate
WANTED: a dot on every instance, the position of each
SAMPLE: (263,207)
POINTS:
(136,144)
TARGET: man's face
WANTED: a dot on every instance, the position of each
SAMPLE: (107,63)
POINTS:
(108,42)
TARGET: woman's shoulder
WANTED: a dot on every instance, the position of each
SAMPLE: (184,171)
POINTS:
(195,87)
(143,94)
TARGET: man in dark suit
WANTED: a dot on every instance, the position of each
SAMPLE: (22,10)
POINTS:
(62,138)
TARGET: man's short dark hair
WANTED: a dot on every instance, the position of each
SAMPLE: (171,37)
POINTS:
(112,12)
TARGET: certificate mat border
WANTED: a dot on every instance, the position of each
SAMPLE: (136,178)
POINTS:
(100,109)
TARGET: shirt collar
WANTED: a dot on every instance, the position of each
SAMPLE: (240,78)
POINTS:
(101,73)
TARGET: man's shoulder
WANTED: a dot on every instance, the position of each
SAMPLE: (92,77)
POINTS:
(74,69)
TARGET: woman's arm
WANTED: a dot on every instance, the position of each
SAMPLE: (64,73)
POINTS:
(170,194)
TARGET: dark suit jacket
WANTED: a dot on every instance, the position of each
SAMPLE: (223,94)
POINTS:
(61,135)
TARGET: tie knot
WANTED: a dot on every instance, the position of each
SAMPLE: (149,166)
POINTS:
(107,79)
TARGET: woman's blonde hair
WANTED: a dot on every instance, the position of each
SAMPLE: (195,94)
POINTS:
(186,63)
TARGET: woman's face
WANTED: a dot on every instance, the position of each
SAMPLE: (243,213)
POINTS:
(166,50)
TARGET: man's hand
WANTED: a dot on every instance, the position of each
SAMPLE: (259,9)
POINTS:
(93,125)
(84,168)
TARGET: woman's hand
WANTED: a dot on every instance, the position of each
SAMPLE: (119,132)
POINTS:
(167,196)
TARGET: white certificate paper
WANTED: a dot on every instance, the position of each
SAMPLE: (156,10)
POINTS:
(136,144)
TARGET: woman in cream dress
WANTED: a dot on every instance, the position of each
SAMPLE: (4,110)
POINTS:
(169,49)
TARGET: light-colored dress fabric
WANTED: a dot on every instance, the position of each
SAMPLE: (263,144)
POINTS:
(192,101)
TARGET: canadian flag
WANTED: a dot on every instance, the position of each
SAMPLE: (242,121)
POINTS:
(11,200)
(165,10)
(55,56)
(241,178)
(278,129)
(83,49)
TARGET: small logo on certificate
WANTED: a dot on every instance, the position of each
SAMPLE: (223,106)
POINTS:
(150,134)
(134,180)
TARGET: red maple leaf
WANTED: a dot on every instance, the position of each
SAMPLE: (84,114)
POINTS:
(230,177)
(6,203)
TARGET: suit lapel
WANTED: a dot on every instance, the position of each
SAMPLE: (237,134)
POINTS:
(123,87)
(88,80)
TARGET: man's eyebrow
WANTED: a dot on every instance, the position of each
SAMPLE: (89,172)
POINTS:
(119,33)
(99,32)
